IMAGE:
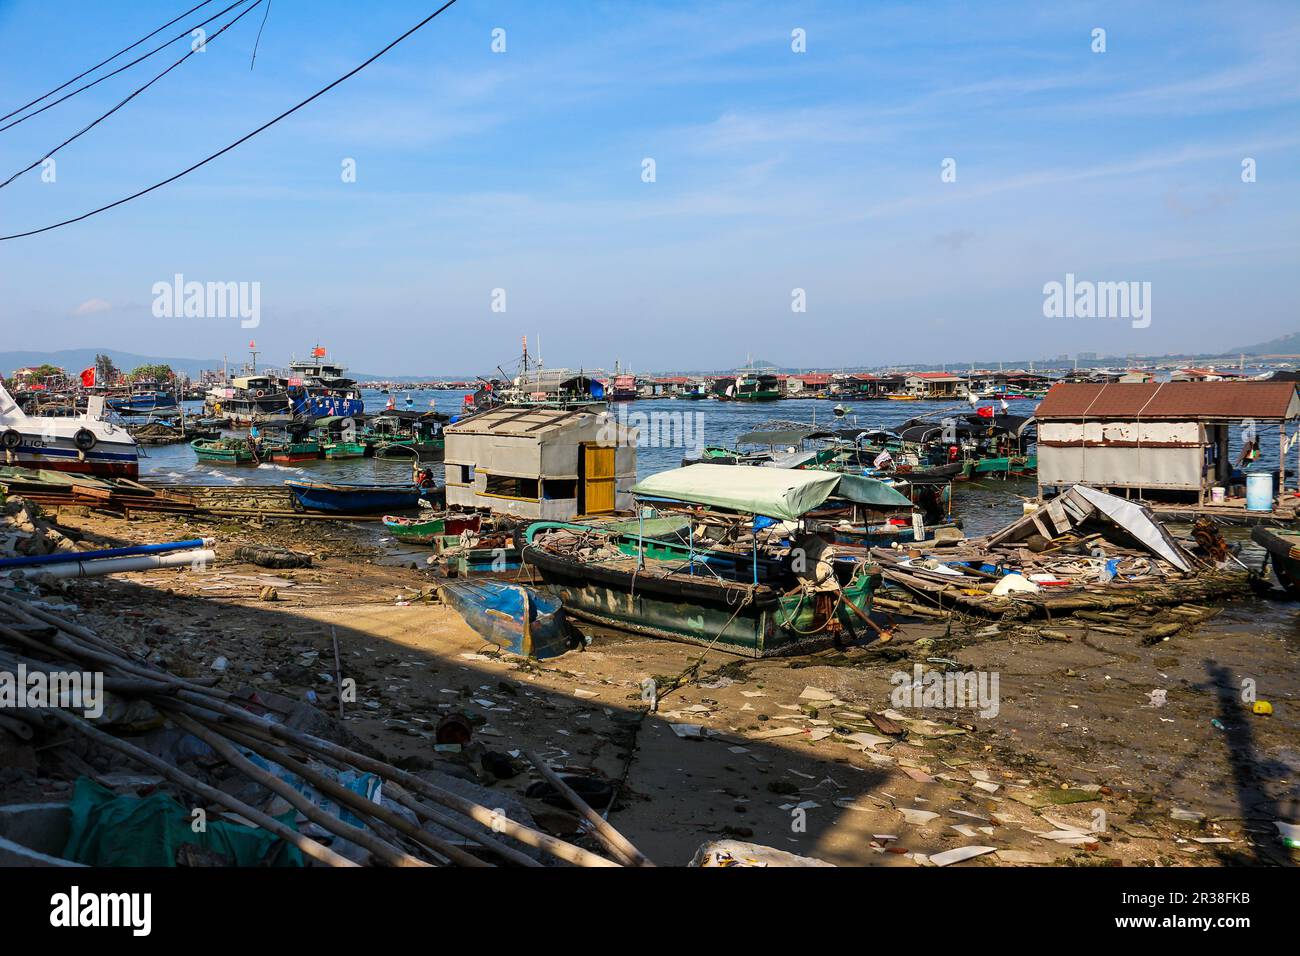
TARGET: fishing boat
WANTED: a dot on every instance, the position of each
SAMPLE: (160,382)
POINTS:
(903,397)
(741,574)
(1283,548)
(406,435)
(344,449)
(85,444)
(338,437)
(422,530)
(341,498)
(144,397)
(223,451)
(305,449)
(515,618)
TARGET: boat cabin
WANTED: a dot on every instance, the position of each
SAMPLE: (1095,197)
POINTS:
(541,463)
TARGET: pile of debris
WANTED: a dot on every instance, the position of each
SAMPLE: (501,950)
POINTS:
(285,784)
(25,534)
(1085,551)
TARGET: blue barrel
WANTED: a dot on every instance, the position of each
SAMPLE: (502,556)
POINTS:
(1259,491)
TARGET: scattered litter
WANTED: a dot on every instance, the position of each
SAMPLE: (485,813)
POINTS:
(948,857)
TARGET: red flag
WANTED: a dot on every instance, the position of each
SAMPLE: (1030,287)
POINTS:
(318,352)
(985,412)
(88,377)
(252,344)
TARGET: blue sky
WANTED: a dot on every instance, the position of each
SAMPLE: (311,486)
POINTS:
(775,170)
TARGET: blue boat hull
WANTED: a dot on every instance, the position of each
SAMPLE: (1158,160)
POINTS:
(360,499)
(515,618)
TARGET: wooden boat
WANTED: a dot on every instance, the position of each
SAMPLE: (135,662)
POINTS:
(658,597)
(1283,547)
(426,530)
(903,398)
(754,601)
(357,499)
(407,448)
(344,449)
(515,618)
(290,451)
(224,451)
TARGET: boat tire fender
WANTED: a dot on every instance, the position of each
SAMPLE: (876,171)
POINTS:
(84,439)
(11,439)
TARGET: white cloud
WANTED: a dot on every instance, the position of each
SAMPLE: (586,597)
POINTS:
(93,307)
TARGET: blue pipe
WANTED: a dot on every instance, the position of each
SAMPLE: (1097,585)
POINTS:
(71,556)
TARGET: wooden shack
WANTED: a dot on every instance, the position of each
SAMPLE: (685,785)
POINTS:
(1157,437)
(543,463)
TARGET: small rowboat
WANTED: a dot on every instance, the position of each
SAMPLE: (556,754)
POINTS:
(427,530)
(358,499)
(226,451)
(515,618)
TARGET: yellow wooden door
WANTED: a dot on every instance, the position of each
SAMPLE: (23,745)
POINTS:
(598,480)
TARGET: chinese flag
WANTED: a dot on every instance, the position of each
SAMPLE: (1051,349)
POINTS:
(88,377)
(318,352)
(985,412)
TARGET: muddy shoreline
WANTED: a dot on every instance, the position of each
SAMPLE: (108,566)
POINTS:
(1079,765)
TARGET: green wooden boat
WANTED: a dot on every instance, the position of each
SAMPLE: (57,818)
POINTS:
(307,449)
(427,530)
(700,597)
(225,451)
(344,449)
(406,448)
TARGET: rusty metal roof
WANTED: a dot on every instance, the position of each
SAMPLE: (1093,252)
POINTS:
(1169,401)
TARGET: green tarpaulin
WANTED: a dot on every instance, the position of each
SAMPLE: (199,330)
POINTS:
(870,491)
(111,830)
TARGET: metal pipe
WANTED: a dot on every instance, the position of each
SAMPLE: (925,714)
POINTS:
(75,556)
(144,562)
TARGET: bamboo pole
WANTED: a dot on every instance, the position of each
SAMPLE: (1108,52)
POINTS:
(307,845)
(358,803)
(613,841)
(382,850)
(496,822)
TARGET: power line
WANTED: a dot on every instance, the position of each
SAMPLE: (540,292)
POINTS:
(61,99)
(128,49)
(239,142)
(87,128)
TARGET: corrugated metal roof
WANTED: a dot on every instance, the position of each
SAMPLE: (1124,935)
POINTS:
(515,420)
(1130,401)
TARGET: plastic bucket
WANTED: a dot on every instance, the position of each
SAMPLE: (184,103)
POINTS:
(1259,491)
(1217,495)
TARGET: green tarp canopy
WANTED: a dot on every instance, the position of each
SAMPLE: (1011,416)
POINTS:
(782,493)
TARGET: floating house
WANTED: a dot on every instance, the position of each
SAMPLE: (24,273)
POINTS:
(1156,437)
(541,463)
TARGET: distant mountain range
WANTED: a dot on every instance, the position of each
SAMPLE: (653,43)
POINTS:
(74,360)
(1284,345)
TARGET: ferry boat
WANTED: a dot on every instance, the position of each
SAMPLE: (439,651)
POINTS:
(86,444)
(311,388)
